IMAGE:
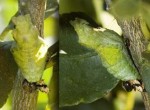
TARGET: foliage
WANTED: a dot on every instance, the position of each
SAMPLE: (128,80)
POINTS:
(7,68)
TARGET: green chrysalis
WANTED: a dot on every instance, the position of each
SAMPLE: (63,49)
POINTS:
(110,47)
(29,50)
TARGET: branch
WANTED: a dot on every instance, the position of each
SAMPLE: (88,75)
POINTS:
(36,10)
(132,31)
(23,100)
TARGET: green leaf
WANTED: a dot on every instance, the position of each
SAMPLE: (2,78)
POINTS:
(102,104)
(82,78)
(8,70)
(53,86)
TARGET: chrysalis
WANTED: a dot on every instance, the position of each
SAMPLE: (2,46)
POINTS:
(29,50)
(110,48)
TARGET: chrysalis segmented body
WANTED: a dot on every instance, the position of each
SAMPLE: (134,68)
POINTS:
(29,50)
(109,46)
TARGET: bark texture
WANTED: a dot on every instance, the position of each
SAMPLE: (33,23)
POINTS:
(23,100)
(132,31)
(36,9)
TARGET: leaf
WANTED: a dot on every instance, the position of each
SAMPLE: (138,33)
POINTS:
(102,104)
(8,70)
(74,46)
(53,86)
(82,78)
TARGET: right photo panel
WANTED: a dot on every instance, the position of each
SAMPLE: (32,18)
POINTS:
(104,55)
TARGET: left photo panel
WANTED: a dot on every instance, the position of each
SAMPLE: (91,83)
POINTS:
(29,54)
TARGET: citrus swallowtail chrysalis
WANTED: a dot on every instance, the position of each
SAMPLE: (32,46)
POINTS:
(110,48)
(29,50)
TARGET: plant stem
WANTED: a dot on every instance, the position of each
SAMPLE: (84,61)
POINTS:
(23,100)
(36,9)
(132,31)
